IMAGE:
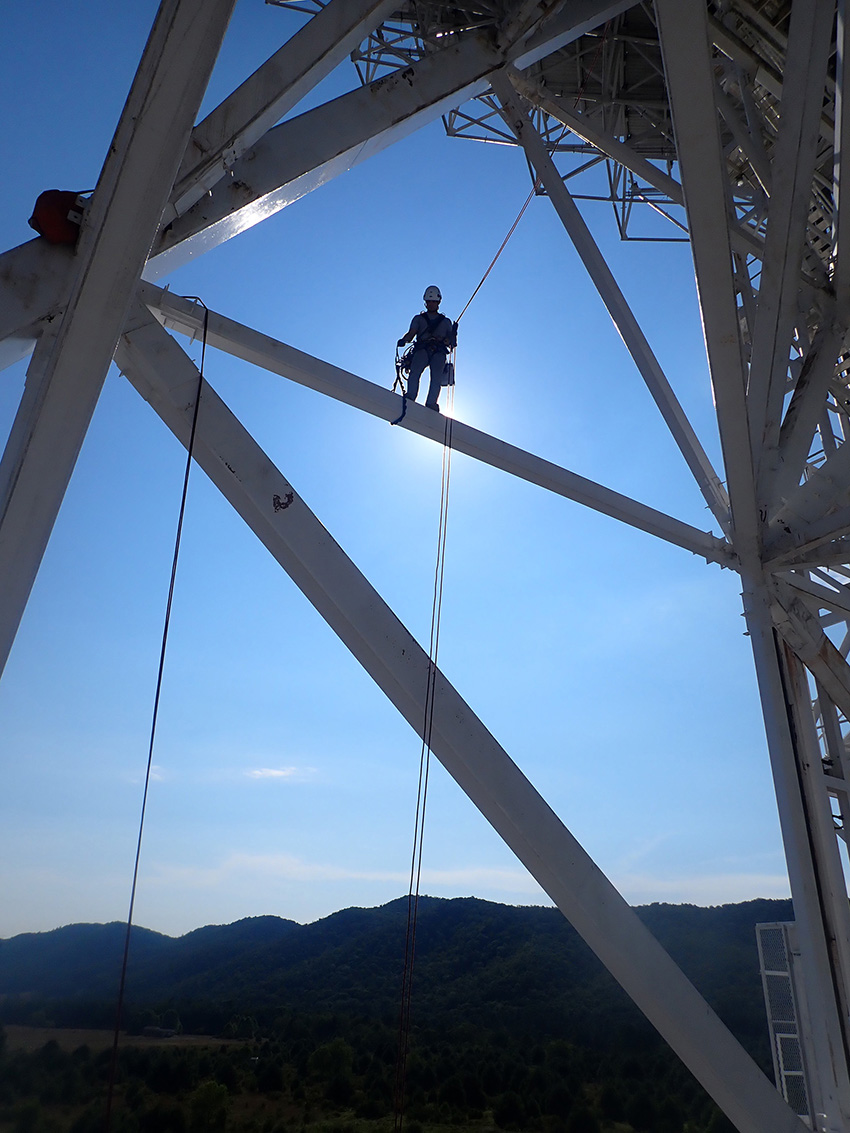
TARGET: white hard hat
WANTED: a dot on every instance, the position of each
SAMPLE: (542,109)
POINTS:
(432,293)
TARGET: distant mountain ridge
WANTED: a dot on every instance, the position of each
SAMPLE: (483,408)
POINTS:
(477,962)
(81,959)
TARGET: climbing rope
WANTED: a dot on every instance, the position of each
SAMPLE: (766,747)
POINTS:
(537,181)
(428,721)
(154,716)
(424,769)
(433,649)
(399,383)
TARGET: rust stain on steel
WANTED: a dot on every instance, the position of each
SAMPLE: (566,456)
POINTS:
(282,504)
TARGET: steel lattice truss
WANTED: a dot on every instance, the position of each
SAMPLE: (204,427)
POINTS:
(726,114)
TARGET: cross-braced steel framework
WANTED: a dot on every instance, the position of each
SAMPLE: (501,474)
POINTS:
(727,114)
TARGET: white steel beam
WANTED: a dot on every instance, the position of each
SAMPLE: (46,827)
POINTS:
(35,280)
(525,16)
(826,488)
(806,405)
(756,124)
(792,760)
(761,73)
(802,631)
(583,127)
(565,25)
(271,92)
(834,556)
(834,740)
(841,164)
(751,146)
(164,375)
(64,383)
(793,168)
(252,346)
(791,543)
(516,117)
(832,887)
(824,595)
(836,909)
(307,151)
(747,60)
(690,83)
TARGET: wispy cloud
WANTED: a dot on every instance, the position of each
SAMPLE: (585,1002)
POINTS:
(483,878)
(707,889)
(243,870)
(643,848)
(293,773)
(158,775)
(287,867)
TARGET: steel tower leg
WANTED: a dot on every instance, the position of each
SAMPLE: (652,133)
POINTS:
(817,884)
(748,401)
(67,373)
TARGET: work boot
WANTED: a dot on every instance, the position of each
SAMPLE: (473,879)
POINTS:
(428,405)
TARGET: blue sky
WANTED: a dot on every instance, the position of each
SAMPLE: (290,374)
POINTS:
(612,667)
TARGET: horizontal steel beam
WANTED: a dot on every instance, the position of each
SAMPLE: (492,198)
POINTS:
(252,346)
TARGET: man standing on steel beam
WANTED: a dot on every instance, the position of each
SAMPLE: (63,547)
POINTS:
(435,336)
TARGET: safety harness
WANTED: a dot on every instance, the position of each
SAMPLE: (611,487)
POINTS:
(427,341)
(424,341)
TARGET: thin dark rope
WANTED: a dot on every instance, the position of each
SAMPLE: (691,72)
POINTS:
(537,181)
(434,644)
(502,247)
(424,776)
(113,1067)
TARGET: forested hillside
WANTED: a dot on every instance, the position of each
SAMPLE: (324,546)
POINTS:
(515,1023)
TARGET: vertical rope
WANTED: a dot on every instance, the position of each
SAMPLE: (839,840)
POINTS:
(113,1066)
(424,772)
(433,650)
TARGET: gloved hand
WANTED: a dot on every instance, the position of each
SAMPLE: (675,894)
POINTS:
(400,342)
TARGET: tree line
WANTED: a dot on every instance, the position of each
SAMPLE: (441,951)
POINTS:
(331,1074)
